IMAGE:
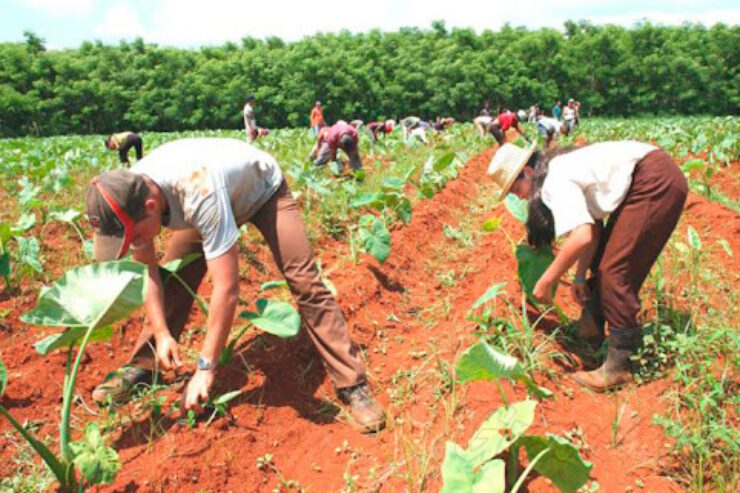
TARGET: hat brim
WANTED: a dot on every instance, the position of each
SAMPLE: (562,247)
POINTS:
(505,190)
(108,247)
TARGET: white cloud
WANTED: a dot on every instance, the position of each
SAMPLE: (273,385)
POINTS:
(64,8)
(120,21)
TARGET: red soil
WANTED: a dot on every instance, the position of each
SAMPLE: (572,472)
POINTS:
(404,317)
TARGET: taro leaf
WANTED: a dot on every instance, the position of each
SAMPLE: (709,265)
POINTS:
(99,294)
(459,476)
(275,317)
(273,284)
(25,222)
(175,266)
(517,207)
(562,465)
(532,263)
(375,238)
(692,165)
(403,210)
(443,161)
(375,199)
(68,216)
(87,247)
(393,183)
(71,337)
(500,430)
(491,225)
(693,237)
(3,378)
(482,362)
(98,463)
(491,293)
(28,252)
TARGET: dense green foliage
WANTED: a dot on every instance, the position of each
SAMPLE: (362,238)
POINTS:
(611,70)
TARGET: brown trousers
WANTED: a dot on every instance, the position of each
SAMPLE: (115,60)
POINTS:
(280,223)
(634,237)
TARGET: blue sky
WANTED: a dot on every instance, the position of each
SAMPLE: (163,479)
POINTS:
(193,23)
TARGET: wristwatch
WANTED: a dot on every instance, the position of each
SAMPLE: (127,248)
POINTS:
(204,364)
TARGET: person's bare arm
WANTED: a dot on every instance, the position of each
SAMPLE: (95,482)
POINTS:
(582,239)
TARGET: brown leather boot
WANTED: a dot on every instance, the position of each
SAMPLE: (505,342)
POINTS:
(366,413)
(617,369)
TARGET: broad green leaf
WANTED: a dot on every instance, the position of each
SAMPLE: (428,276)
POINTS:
(443,161)
(500,430)
(517,207)
(403,210)
(459,475)
(68,216)
(227,397)
(178,264)
(72,337)
(482,362)
(393,183)
(693,238)
(273,284)
(692,165)
(562,465)
(490,293)
(98,463)
(491,225)
(28,252)
(3,378)
(99,294)
(531,264)
(368,199)
(25,222)
(491,478)
(376,240)
(457,471)
(275,317)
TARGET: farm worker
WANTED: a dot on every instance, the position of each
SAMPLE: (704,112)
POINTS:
(486,111)
(557,111)
(342,136)
(569,117)
(548,127)
(534,110)
(124,141)
(408,124)
(357,123)
(250,123)
(571,191)
(577,109)
(442,123)
(317,118)
(481,123)
(377,128)
(420,131)
(203,190)
(503,122)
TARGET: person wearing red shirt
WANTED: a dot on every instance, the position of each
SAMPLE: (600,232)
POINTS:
(503,122)
(317,118)
(342,136)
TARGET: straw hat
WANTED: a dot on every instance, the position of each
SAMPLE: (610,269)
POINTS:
(506,165)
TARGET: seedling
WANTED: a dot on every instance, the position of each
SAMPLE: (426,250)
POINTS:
(85,300)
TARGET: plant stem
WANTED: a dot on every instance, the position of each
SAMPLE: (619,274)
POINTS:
(529,468)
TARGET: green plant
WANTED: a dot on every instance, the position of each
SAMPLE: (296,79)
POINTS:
(476,467)
(85,300)
(373,237)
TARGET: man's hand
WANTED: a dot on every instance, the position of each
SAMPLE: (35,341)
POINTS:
(580,293)
(542,291)
(168,353)
(196,391)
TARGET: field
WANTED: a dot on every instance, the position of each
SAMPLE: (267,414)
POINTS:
(420,312)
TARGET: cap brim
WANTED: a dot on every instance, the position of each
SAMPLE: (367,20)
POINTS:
(106,247)
(507,188)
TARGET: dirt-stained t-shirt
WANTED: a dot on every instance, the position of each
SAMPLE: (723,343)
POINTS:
(212,185)
(590,183)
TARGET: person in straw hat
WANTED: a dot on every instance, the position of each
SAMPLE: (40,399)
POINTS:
(203,190)
(640,192)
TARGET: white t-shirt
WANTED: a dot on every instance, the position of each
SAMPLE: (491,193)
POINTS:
(249,121)
(212,185)
(549,124)
(590,183)
(568,113)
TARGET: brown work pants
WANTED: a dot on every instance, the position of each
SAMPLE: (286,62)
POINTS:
(634,237)
(280,223)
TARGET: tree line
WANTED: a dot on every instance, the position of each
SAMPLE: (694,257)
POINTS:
(99,88)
